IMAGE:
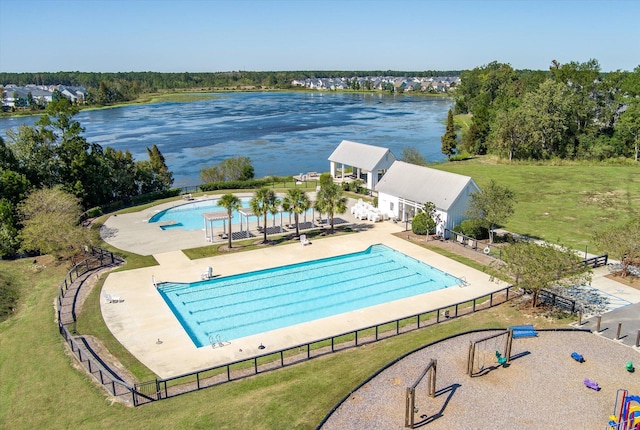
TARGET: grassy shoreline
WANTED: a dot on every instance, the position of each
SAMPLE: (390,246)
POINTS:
(197,94)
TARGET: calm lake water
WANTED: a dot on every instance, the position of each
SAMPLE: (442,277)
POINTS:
(282,133)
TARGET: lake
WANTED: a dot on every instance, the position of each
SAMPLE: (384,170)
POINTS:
(283,133)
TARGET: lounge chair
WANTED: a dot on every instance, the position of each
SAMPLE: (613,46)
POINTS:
(303,240)
(208,274)
(112,299)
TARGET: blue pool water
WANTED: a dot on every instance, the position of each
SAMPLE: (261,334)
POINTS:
(189,215)
(250,303)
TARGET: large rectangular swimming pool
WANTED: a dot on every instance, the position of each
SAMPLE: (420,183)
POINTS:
(241,305)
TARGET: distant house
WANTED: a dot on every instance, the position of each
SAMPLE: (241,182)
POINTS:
(14,95)
(405,188)
(369,163)
(75,94)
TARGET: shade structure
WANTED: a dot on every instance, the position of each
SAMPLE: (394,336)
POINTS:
(246,213)
(210,218)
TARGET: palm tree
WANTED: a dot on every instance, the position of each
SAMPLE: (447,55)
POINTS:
(231,203)
(262,203)
(274,208)
(331,201)
(298,202)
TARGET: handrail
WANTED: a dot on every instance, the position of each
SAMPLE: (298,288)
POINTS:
(89,360)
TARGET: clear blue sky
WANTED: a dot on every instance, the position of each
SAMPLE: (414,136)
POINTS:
(226,35)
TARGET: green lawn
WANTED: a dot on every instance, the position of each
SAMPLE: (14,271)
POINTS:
(42,388)
(563,204)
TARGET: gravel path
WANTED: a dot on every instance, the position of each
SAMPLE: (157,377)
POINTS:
(542,388)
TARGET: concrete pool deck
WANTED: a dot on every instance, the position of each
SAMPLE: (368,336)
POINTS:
(145,325)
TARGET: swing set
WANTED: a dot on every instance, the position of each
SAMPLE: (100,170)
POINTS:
(410,408)
(489,352)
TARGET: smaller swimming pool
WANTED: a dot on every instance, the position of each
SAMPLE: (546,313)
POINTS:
(255,302)
(189,215)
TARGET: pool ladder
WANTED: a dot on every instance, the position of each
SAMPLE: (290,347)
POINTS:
(216,341)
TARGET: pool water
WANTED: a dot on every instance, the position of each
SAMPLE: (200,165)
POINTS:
(250,303)
(189,215)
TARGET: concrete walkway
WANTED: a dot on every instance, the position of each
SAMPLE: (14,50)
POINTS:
(624,308)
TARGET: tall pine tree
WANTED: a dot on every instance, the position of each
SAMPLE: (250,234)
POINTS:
(449,141)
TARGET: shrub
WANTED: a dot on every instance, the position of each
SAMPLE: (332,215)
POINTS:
(422,224)
(235,185)
(94,212)
(156,195)
(464,155)
(474,228)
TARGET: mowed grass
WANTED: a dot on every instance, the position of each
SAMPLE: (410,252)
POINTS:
(564,204)
(42,387)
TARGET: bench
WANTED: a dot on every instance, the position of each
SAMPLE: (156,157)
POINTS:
(523,331)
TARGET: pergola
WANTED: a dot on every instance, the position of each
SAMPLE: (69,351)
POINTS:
(209,218)
(246,213)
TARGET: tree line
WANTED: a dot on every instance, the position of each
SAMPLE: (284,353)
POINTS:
(573,111)
(53,155)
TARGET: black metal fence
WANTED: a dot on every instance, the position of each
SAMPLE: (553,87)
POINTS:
(95,366)
(65,306)
(496,251)
(600,260)
(171,387)
(557,300)
(474,244)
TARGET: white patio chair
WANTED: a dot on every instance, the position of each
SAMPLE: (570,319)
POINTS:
(208,274)
(112,299)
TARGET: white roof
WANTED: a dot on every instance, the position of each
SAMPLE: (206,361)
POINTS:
(360,155)
(423,184)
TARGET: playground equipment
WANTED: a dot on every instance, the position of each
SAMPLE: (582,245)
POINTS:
(626,412)
(411,409)
(523,331)
(591,384)
(577,357)
(485,352)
